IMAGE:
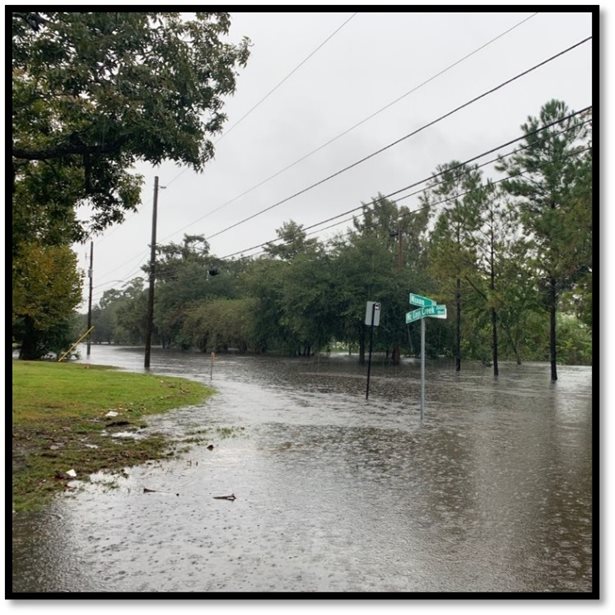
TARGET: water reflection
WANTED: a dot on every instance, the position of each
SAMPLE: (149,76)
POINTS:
(492,492)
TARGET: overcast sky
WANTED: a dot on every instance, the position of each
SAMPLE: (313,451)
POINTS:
(372,60)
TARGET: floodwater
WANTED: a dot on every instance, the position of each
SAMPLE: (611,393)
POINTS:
(491,492)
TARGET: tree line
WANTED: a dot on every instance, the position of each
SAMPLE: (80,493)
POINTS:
(511,259)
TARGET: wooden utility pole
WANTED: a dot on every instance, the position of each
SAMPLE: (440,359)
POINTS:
(152,278)
(91,276)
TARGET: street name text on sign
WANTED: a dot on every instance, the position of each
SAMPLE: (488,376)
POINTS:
(436,311)
(420,300)
(414,315)
(433,311)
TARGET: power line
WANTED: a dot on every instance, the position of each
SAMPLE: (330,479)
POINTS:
(286,78)
(124,279)
(407,187)
(433,176)
(395,201)
(401,139)
(275,87)
(414,211)
(351,128)
(441,202)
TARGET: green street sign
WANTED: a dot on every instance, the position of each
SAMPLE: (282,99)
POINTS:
(432,311)
(414,315)
(435,311)
(420,300)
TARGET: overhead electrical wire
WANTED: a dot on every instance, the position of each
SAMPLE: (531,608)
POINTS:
(435,175)
(343,133)
(294,70)
(275,87)
(245,115)
(363,206)
(414,211)
(390,145)
(414,184)
(400,140)
(351,128)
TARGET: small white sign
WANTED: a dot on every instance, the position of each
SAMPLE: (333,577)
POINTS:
(372,306)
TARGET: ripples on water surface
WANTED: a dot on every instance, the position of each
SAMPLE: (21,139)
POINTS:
(491,493)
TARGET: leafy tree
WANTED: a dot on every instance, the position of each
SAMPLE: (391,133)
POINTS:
(43,202)
(292,286)
(364,273)
(453,244)
(548,174)
(46,290)
(403,233)
(220,324)
(499,252)
(309,300)
(293,241)
(96,91)
(184,275)
(102,321)
(575,340)
(131,313)
(264,281)
(518,306)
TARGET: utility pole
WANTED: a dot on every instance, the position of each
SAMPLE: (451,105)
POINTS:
(152,277)
(91,276)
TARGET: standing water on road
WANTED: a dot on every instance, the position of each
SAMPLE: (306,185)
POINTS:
(491,492)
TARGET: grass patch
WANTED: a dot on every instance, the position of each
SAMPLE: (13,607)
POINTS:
(59,422)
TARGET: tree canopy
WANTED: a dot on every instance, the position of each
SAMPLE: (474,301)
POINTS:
(95,92)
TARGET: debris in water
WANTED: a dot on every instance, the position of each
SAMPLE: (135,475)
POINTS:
(225,497)
(210,447)
(112,413)
(72,473)
(146,490)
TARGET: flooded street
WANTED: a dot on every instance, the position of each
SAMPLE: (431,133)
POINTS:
(491,492)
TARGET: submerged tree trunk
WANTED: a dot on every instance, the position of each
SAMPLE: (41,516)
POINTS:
(494,316)
(396,355)
(494,343)
(513,344)
(552,336)
(458,328)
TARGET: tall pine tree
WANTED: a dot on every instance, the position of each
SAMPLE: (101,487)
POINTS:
(546,175)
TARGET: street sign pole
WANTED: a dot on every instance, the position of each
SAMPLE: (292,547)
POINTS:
(369,359)
(422,367)
(427,308)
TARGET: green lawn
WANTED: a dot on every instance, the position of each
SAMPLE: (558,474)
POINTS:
(59,414)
